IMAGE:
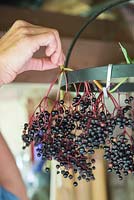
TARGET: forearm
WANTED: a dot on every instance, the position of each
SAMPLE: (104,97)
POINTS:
(10,177)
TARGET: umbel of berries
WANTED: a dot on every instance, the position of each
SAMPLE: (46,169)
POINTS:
(71,131)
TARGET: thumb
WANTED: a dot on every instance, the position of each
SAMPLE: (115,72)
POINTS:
(38,64)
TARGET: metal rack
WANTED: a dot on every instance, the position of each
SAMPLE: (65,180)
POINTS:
(100,73)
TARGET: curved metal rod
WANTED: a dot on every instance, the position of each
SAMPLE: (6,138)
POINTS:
(92,16)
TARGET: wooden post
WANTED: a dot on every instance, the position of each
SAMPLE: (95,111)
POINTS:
(99,189)
(53,181)
(83,191)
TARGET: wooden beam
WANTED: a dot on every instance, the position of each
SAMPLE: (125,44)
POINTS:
(68,25)
(99,185)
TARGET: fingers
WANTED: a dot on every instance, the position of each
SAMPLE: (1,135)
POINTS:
(53,47)
(42,64)
(61,59)
(45,39)
(56,56)
(50,49)
(39,64)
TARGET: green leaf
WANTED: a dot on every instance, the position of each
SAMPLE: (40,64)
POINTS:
(124,51)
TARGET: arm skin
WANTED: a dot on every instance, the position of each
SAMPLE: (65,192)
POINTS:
(10,177)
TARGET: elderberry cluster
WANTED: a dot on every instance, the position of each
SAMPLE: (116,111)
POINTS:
(120,155)
(70,134)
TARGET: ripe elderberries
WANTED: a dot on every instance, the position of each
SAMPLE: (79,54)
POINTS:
(72,130)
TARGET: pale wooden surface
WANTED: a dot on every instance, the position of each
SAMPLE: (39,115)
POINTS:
(99,185)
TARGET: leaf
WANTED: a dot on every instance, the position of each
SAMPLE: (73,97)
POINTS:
(125,53)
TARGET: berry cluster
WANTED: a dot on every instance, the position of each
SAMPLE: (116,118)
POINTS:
(120,156)
(71,132)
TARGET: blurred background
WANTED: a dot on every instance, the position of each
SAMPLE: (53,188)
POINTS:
(97,46)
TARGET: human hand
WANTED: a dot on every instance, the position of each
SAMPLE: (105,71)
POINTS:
(19,44)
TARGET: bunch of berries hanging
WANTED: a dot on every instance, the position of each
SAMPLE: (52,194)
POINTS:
(74,128)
